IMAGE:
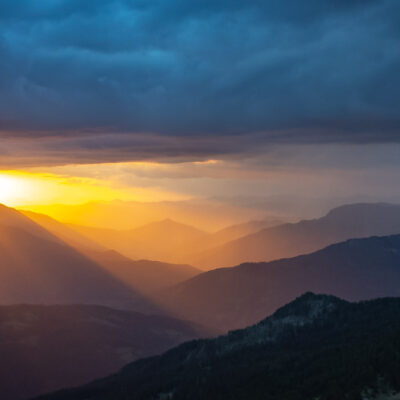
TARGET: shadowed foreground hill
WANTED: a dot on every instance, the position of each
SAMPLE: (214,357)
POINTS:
(45,348)
(230,298)
(289,240)
(317,347)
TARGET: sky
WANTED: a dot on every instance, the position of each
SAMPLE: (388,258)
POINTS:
(174,99)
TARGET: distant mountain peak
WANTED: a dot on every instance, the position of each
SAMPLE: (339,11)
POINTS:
(169,222)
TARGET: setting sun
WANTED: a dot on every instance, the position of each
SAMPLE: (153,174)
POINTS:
(28,188)
(13,189)
(24,188)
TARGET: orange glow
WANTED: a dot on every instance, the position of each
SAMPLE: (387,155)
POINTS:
(30,189)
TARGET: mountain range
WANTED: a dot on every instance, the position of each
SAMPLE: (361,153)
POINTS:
(254,241)
(44,348)
(63,232)
(206,214)
(289,240)
(167,240)
(78,288)
(230,298)
(316,347)
(144,276)
(39,267)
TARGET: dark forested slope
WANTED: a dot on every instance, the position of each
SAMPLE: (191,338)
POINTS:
(317,347)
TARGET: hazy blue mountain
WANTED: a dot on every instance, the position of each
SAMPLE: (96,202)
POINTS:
(289,240)
(236,297)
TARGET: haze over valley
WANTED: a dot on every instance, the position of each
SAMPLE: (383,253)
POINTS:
(199,200)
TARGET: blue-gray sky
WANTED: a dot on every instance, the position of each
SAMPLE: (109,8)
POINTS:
(112,80)
(288,98)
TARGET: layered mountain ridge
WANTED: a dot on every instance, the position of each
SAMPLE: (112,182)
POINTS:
(45,262)
(230,298)
(289,240)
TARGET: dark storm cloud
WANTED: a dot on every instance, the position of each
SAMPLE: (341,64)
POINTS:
(106,148)
(315,71)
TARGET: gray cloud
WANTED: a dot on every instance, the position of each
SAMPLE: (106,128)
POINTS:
(97,147)
(204,71)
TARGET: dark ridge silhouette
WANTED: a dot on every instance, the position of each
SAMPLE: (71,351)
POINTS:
(289,240)
(317,347)
(44,348)
(235,297)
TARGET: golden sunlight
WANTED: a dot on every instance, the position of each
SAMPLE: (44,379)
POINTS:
(31,189)
(14,188)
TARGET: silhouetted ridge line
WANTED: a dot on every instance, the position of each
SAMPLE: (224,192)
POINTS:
(230,298)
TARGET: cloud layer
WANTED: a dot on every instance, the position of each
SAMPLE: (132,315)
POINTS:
(122,79)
